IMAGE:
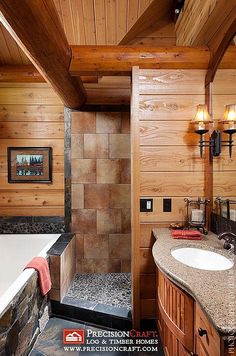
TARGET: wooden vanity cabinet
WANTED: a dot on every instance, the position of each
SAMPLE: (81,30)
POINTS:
(174,317)
(183,326)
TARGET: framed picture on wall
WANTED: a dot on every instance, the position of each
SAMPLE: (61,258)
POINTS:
(29,164)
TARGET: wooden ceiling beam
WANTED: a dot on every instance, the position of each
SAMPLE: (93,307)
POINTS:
(36,28)
(29,74)
(153,13)
(219,44)
(119,60)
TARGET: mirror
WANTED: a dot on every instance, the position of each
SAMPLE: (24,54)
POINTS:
(224,167)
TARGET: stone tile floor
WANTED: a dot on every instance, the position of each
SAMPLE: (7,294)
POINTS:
(50,341)
(104,288)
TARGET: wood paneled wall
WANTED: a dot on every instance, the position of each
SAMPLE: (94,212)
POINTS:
(31,115)
(224,175)
(169,165)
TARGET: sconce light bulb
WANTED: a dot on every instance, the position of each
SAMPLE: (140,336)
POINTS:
(202,116)
(230,113)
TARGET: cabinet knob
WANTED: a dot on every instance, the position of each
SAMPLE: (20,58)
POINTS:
(202,332)
(193,354)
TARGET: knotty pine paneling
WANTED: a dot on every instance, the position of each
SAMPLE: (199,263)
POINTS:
(38,94)
(179,81)
(38,211)
(224,184)
(166,107)
(171,184)
(167,133)
(58,180)
(169,160)
(36,130)
(31,115)
(31,197)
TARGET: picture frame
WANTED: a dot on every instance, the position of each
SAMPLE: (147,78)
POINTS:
(29,164)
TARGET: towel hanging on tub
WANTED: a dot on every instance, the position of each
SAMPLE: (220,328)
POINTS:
(40,264)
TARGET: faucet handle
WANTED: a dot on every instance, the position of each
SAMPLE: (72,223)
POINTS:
(227,245)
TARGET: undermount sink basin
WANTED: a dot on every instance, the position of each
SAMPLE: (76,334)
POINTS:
(201,259)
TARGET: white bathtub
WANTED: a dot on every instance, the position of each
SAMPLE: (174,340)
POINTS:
(15,252)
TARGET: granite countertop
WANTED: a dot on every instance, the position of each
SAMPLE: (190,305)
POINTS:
(215,291)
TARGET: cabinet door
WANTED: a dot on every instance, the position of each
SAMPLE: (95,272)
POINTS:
(200,349)
(171,345)
(207,339)
(170,342)
(182,351)
(176,308)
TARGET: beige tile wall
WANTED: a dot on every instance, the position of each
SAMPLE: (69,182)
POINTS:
(100,157)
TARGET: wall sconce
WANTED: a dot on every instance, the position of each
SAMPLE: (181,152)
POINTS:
(229,121)
(203,119)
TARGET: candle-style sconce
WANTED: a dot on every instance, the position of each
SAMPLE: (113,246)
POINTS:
(201,123)
(196,213)
(229,121)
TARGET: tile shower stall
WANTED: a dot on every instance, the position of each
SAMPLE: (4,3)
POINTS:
(100,191)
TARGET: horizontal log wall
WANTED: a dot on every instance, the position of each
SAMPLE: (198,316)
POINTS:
(169,161)
(31,115)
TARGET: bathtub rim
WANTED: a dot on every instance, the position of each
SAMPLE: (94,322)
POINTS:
(19,283)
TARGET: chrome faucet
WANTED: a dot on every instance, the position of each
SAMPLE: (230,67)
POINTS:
(230,238)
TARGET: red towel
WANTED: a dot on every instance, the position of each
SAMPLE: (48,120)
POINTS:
(40,264)
(186,234)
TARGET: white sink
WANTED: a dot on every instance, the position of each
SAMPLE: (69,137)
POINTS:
(201,259)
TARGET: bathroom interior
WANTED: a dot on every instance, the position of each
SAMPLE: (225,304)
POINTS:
(118,174)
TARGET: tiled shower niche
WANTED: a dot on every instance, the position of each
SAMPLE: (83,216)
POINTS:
(100,170)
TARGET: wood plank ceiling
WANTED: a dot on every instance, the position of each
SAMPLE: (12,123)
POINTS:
(96,22)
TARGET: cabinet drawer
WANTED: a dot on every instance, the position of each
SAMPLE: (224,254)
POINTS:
(210,338)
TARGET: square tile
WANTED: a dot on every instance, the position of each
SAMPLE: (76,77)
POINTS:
(83,122)
(114,265)
(125,171)
(84,221)
(108,122)
(95,265)
(108,171)
(95,246)
(79,246)
(96,196)
(125,122)
(55,264)
(126,221)
(95,146)
(120,196)
(108,221)
(120,246)
(79,266)
(77,196)
(119,146)
(77,146)
(83,170)
(125,266)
